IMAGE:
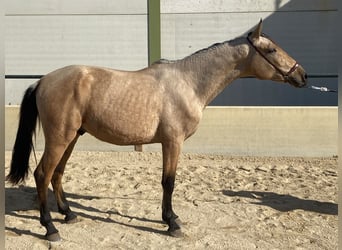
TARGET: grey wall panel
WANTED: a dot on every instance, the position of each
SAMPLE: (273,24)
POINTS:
(15,88)
(309,37)
(183,34)
(57,7)
(234,6)
(39,44)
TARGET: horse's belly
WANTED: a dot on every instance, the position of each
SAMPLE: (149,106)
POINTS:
(124,128)
(125,110)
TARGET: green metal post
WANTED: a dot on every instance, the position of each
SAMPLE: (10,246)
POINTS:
(153,31)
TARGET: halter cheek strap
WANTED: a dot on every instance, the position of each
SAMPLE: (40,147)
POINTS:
(285,75)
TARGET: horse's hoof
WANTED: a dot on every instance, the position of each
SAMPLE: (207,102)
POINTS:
(176,233)
(178,221)
(70,219)
(53,237)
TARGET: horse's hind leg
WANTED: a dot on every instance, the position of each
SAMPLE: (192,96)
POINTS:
(43,174)
(63,205)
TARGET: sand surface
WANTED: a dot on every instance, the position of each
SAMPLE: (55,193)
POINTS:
(224,202)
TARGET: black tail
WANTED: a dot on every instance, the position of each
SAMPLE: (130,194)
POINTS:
(23,143)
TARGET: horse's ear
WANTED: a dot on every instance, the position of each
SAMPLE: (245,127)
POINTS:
(258,30)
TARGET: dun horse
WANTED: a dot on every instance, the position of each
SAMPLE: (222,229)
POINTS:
(159,104)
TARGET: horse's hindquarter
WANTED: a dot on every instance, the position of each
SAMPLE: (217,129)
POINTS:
(123,108)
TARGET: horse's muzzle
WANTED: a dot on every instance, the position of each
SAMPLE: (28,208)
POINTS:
(298,78)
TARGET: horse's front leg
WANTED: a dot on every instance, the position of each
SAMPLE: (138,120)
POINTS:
(171,152)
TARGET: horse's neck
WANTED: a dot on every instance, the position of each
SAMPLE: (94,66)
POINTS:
(212,69)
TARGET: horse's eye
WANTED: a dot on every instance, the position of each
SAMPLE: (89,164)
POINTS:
(271,50)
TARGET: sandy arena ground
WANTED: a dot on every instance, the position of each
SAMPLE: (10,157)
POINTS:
(224,202)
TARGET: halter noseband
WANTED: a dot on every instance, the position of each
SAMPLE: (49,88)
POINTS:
(285,75)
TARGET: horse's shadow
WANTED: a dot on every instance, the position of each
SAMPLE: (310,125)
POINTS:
(285,203)
(25,199)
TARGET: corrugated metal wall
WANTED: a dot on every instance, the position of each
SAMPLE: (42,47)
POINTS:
(44,35)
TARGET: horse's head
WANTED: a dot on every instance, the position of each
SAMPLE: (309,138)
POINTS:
(270,62)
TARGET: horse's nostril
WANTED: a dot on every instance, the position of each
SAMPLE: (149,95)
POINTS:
(305,76)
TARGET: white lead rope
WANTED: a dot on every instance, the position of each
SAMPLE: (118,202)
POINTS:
(322,89)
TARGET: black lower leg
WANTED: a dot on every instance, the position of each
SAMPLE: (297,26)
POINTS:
(46,221)
(168,214)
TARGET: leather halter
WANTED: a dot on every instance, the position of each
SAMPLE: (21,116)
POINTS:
(285,75)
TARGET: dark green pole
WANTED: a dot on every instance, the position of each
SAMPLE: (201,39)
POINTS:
(153,31)
(153,26)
